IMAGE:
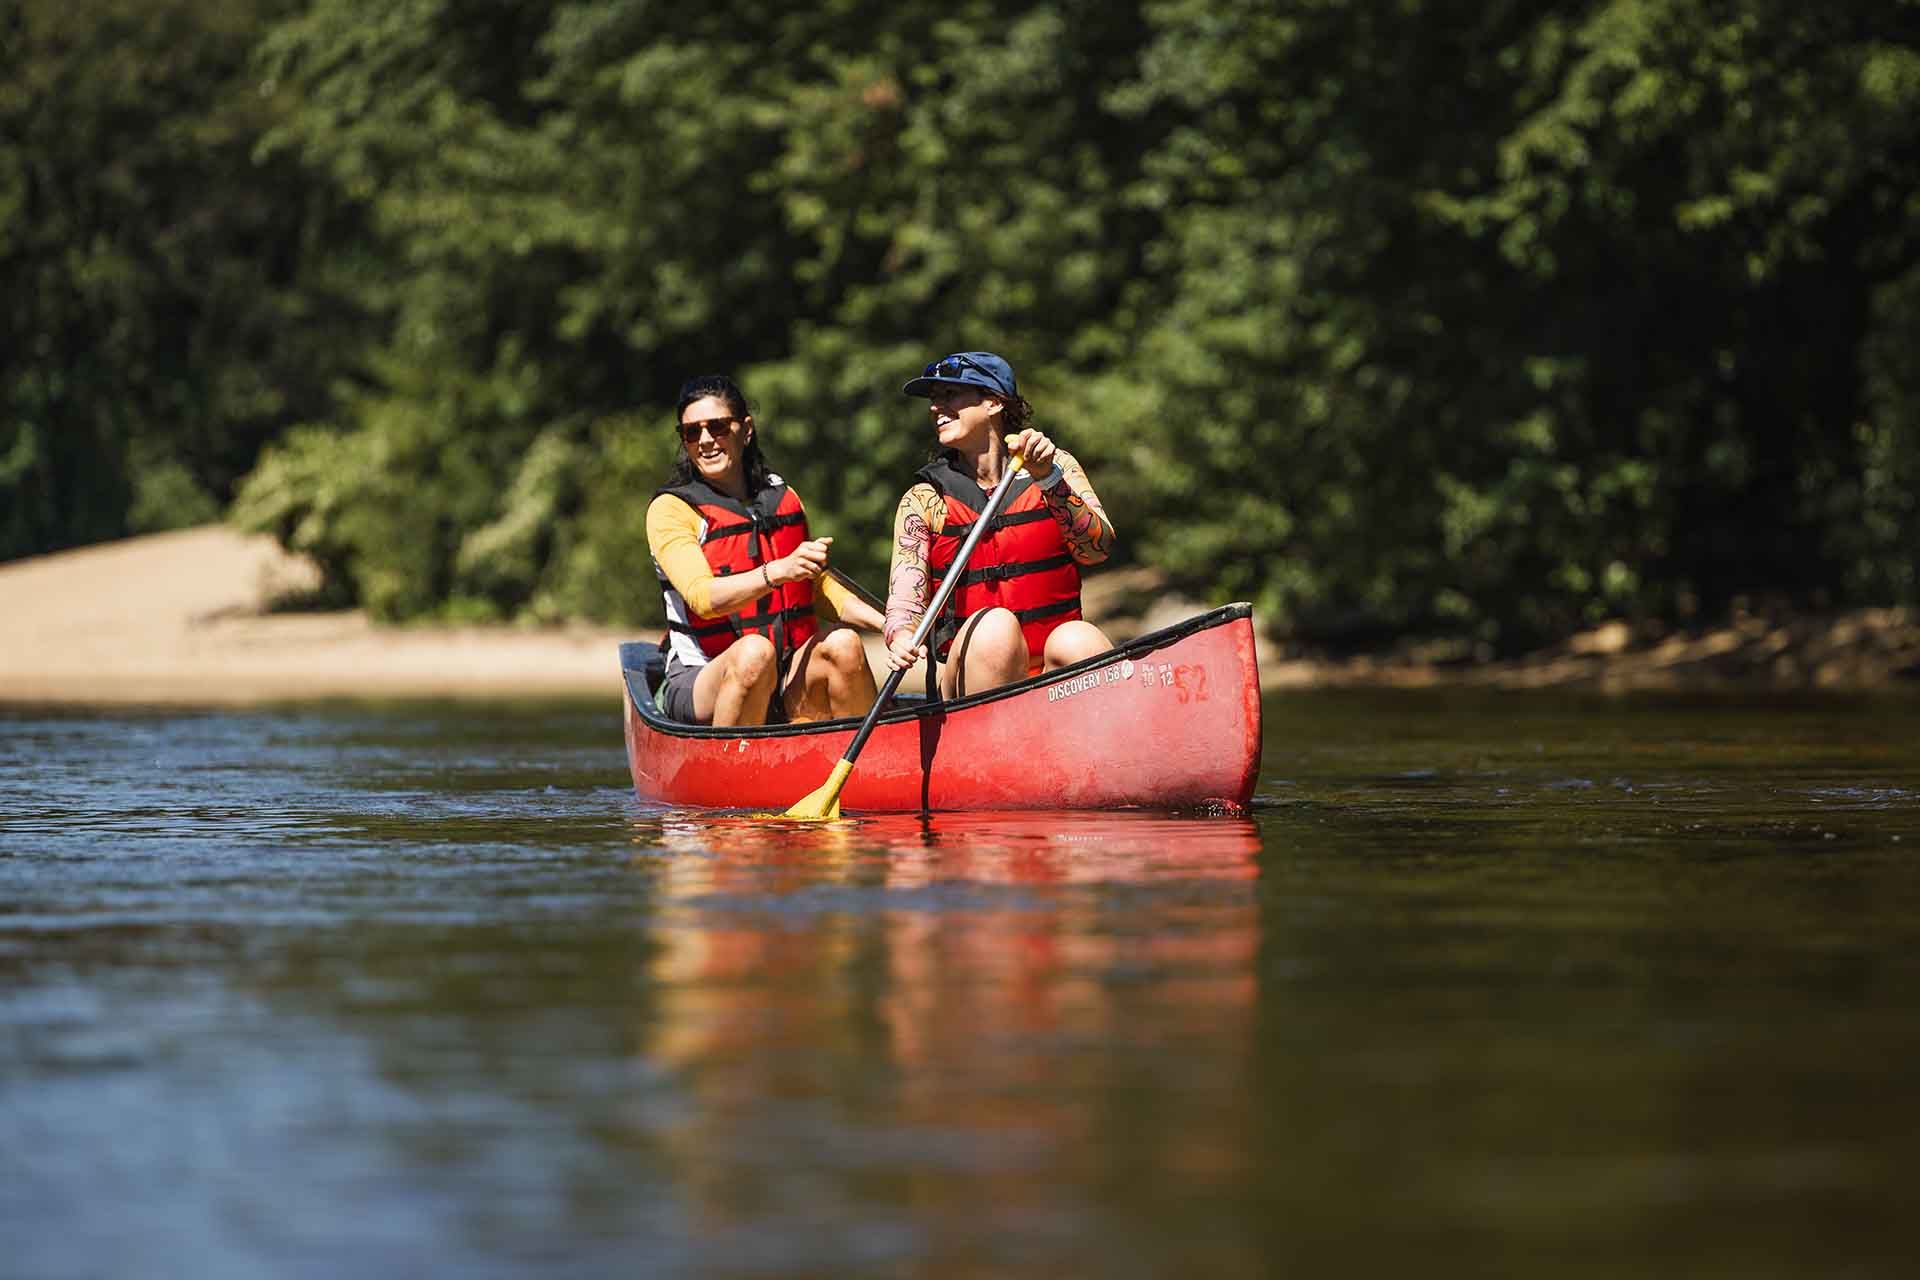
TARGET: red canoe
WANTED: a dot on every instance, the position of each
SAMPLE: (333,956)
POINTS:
(1168,721)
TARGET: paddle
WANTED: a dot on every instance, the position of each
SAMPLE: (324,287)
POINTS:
(824,804)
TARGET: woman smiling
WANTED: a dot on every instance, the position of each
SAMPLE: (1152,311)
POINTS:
(743,579)
(1016,610)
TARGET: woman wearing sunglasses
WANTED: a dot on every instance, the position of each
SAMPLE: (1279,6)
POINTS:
(742,577)
(1016,611)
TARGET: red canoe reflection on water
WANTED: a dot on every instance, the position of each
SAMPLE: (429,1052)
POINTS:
(1170,720)
(998,847)
(946,938)
(1046,904)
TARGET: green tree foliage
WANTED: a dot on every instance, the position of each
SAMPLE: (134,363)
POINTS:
(158,325)
(1535,312)
(586,203)
(1388,314)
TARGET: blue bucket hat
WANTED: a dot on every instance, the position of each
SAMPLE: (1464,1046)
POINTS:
(981,369)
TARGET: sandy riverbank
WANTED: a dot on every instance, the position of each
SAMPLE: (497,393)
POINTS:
(182,618)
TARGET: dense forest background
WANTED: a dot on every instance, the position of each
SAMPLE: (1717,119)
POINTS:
(1483,319)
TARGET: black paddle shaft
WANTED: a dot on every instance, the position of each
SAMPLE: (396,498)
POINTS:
(952,580)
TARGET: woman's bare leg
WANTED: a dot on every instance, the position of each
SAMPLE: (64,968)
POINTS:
(830,677)
(989,651)
(1070,642)
(737,686)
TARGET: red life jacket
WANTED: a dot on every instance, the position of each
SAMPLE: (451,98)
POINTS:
(1022,563)
(739,537)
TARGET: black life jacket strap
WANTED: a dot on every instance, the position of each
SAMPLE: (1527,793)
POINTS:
(1031,515)
(765,524)
(1040,611)
(733,623)
(1012,569)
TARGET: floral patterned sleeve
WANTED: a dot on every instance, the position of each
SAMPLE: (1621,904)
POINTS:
(921,514)
(1076,507)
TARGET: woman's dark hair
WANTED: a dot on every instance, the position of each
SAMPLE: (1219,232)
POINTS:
(720,387)
(1015,417)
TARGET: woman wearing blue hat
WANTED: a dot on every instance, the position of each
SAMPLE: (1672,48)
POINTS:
(739,568)
(1016,610)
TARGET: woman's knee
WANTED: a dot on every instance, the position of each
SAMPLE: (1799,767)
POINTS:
(994,630)
(1004,621)
(990,650)
(751,658)
(843,650)
(1071,642)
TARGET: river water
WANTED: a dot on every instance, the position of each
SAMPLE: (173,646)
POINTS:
(1484,984)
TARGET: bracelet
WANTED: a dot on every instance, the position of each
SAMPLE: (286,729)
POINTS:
(1052,478)
(766,577)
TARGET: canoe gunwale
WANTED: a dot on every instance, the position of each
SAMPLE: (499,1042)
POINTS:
(636,655)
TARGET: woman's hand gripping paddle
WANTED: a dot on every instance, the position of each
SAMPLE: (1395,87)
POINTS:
(824,804)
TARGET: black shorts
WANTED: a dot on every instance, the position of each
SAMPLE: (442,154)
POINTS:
(674,697)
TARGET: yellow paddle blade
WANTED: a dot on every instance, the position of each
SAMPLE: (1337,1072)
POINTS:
(823,805)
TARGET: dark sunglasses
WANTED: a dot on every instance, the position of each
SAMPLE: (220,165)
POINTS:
(953,366)
(720,427)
